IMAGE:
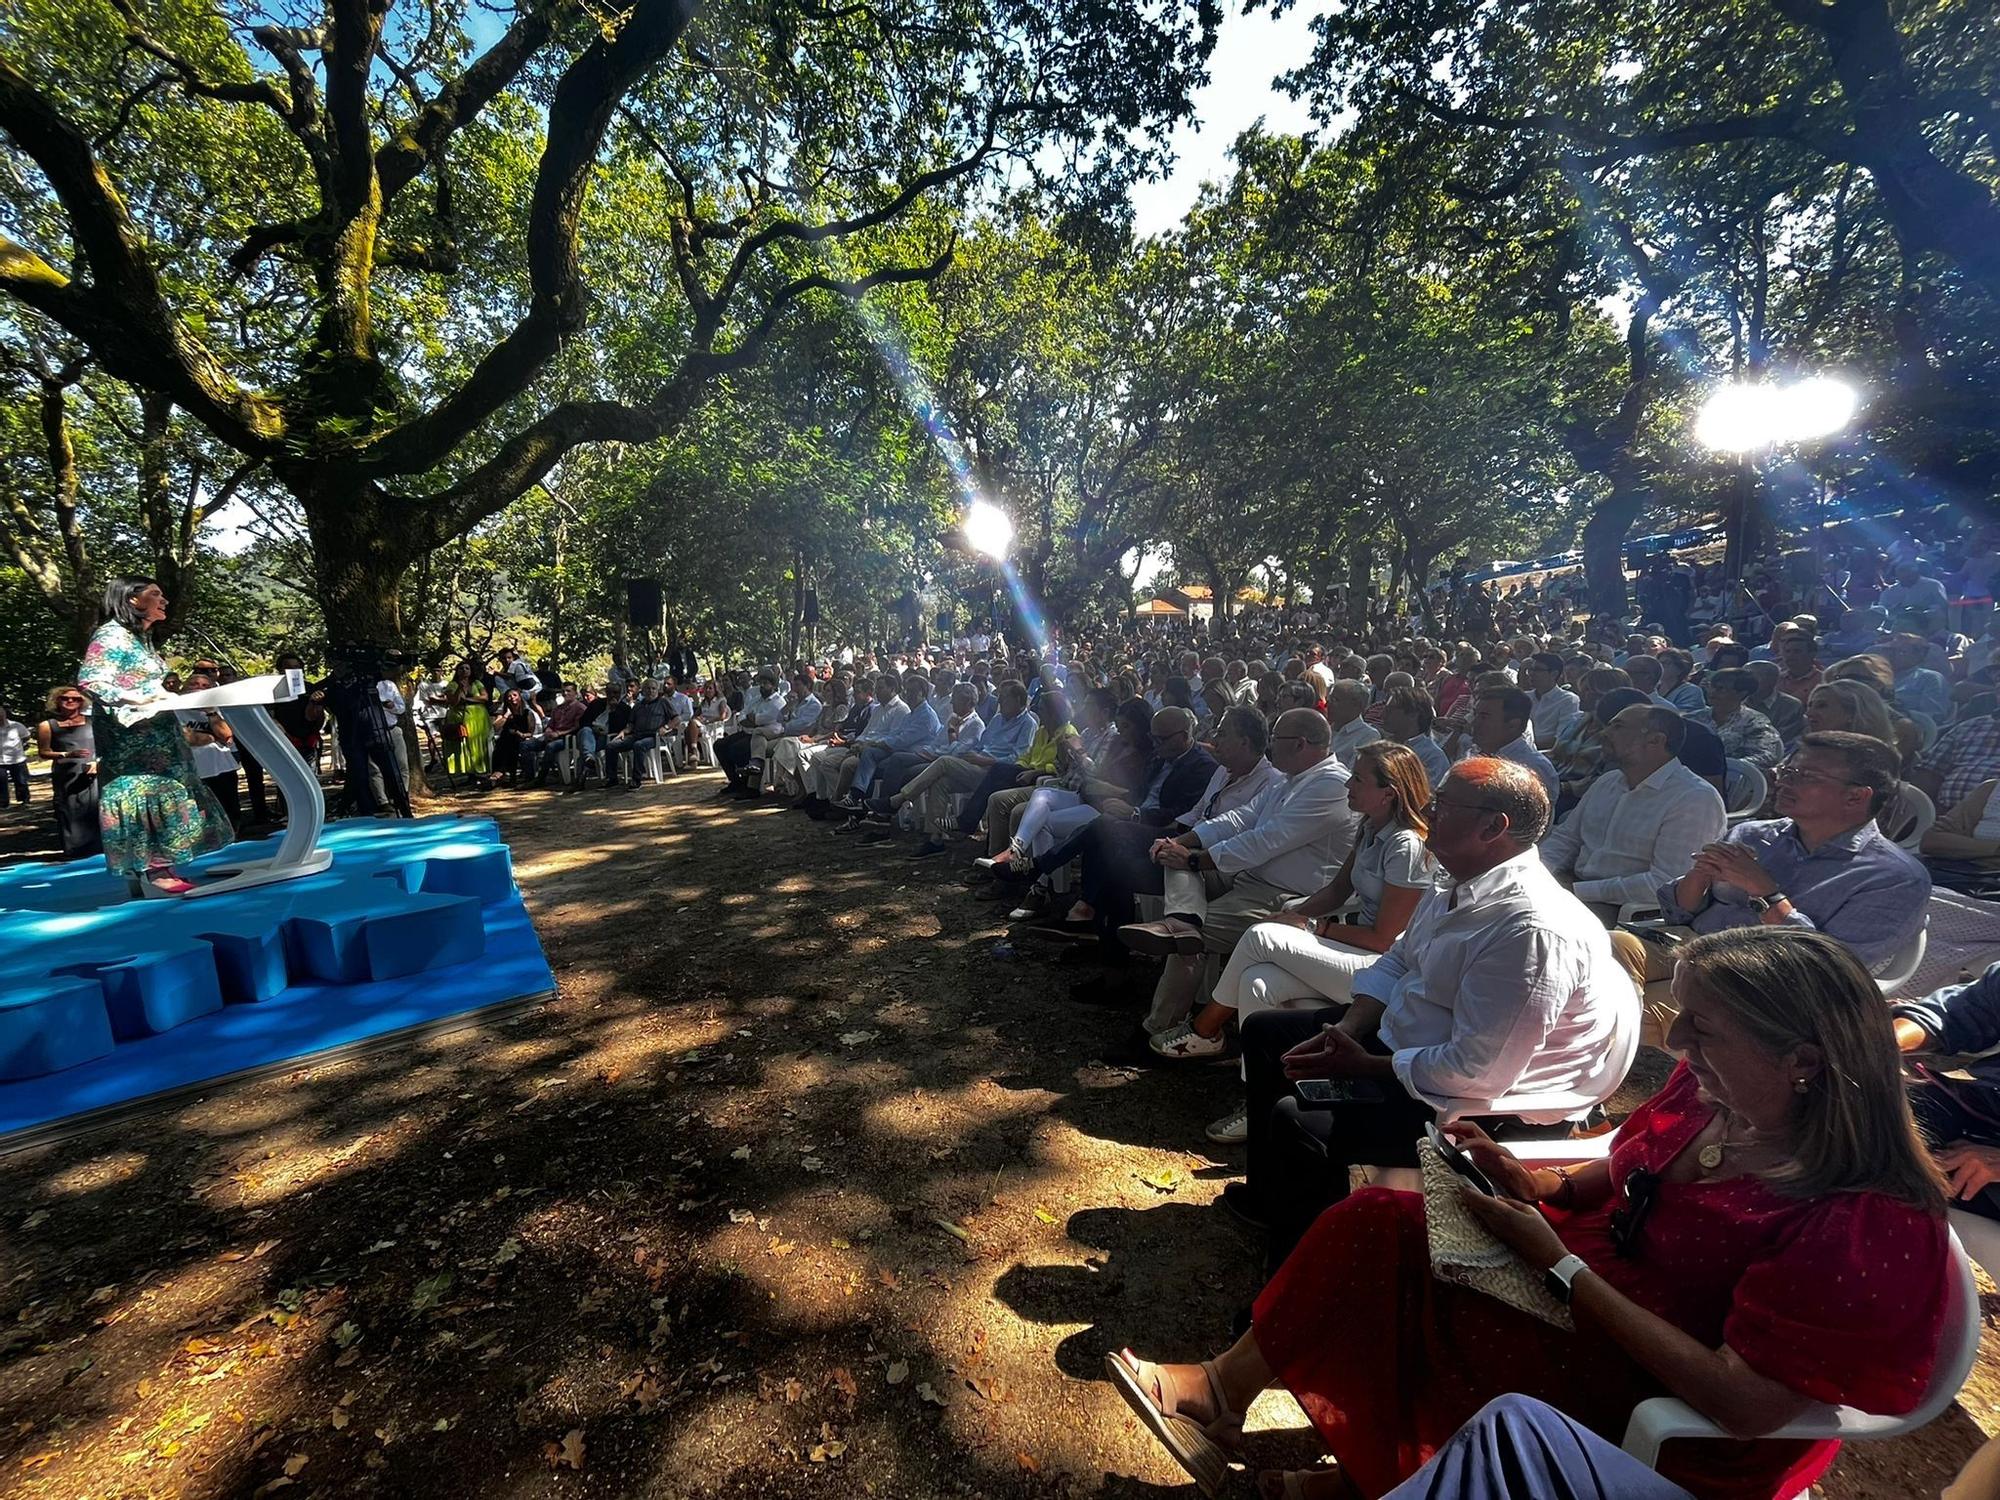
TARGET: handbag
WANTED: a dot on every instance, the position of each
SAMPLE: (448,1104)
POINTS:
(1465,1253)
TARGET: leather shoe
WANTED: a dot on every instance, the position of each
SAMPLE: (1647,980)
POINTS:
(1158,939)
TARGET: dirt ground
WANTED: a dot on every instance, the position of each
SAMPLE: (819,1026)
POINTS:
(795,1189)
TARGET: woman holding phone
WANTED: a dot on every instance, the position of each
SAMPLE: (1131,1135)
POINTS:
(1767,1232)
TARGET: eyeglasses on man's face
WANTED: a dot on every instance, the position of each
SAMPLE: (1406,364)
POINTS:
(1791,770)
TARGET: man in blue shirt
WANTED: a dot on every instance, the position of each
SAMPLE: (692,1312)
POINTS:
(1821,864)
(1005,739)
(920,730)
(1959,1117)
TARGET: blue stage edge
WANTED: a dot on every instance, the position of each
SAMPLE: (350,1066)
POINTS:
(106,1001)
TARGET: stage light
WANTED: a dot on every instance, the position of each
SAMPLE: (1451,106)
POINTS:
(1750,416)
(989,530)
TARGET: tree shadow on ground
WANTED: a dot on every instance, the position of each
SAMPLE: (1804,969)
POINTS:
(788,1127)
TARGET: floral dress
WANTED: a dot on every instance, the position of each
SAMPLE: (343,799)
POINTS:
(152,808)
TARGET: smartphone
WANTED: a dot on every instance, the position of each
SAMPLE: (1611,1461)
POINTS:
(1458,1161)
(1324,1093)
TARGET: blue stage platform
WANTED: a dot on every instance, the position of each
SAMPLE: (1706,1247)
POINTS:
(107,1002)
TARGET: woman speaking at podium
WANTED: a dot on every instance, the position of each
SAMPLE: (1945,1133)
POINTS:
(153,809)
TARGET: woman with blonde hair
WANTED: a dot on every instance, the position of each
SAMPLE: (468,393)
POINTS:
(1307,952)
(1768,1232)
(1850,705)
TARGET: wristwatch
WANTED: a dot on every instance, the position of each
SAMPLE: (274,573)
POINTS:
(1765,903)
(1561,1277)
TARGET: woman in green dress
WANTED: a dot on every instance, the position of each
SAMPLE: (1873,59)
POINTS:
(153,809)
(471,721)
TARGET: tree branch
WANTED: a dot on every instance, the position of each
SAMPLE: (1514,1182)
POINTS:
(589,90)
(123,317)
(418,141)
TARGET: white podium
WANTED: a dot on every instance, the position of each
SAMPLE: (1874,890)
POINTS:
(243,704)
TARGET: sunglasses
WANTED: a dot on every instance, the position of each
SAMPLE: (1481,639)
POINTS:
(1640,1193)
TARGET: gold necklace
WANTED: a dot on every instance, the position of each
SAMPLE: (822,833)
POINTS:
(1710,1156)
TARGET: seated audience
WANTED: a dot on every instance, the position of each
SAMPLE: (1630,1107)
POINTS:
(1786,713)
(1730,1251)
(740,752)
(1407,718)
(1554,704)
(1965,842)
(1959,1117)
(1499,727)
(1306,951)
(1346,703)
(1116,853)
(1231,870)
(1745,733)
(1820,864)
(1009,734)
(1502,983)
(1964,756)
(1641,821)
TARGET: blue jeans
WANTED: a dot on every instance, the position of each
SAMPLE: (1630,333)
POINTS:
(623,746)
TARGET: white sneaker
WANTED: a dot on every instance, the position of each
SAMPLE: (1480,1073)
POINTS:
(1230,1130)
(1185,1044)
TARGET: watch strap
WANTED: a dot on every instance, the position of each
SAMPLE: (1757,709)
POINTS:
(1561,1276)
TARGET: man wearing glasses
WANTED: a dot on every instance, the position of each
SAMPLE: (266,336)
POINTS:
(1822,863)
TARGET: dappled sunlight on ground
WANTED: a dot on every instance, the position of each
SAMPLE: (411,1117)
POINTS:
(794,1190)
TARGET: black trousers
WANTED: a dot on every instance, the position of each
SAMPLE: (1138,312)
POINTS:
(253,778)
(1944,1115)
(1116,867)
(732,753)
(372,762)
(224,787)
(1298,1157)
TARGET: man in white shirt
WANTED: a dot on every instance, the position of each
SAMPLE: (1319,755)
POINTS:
(1553,703)
(1231,871)
(1499,727)
(831,774)
(1346,701)
(516,673)
(1915,603)
(1407,717)
(1642,822)
(1503,985)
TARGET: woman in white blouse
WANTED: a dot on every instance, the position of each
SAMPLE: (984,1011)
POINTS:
(1307,952)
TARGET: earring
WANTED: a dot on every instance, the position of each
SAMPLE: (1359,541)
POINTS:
(1798,1085)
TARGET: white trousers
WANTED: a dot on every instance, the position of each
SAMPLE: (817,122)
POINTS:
(1276,967)
(1045,801)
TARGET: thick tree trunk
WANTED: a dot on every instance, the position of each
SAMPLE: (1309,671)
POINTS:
(1604,539)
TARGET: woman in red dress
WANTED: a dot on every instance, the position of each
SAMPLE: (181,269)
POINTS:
(1768,1232)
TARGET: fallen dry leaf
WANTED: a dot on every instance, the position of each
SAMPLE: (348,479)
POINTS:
(899,1371)
(1027,1461)
(568,1451)
(925,1393)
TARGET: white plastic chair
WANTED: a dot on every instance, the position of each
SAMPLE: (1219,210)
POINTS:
(1664,1418)
(649,758)
(1905,964)
(1748,787)
(1907,817)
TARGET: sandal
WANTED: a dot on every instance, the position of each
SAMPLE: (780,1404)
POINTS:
(1203,1449)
